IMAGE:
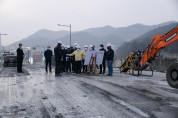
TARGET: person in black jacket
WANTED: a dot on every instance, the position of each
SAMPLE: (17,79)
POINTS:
(64,56)
(68,60)
(64,59)
(20,56)
(48,55)
(103,65)
(58,58)
(110,56)
(73,59)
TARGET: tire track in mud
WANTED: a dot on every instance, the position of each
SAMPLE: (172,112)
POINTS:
(117,100)
(42,96)
(50,98)
(149,104)
(72,104)
(101,104)
(76,102)
(131,90)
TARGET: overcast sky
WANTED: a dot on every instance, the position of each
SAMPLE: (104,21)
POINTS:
(21,18)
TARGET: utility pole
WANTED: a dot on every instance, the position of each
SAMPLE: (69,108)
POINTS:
(70,26)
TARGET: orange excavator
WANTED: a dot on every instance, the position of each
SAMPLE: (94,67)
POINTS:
(138,61)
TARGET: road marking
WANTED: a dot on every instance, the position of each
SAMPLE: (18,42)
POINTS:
(147,104)
(100,117)
(131,107)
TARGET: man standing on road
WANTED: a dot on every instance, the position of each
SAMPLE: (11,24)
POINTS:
(73,58)
(110,56)
(48,55)
(103,65)
(20,56)
(78,59)
(83,58)
(68,60)
(58,58)
(64,56)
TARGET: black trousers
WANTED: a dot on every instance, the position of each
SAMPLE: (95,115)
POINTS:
(19,65)
(63,64)
(103,67)
(58,66)
(78,67)
(84,66)
(68,66)
(73,66)
(48,62)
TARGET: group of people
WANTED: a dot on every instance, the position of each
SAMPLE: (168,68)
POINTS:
(71,59)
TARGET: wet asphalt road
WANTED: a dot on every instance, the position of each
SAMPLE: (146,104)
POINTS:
(39,95)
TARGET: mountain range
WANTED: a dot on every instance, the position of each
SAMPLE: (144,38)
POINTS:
(95,36)
(141,42)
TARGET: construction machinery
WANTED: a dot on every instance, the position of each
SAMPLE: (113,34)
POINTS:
(138,61)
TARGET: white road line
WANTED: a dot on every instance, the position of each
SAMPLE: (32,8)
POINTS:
(131,107)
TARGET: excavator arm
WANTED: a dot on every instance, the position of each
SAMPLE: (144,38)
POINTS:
(138,62)
(159,42)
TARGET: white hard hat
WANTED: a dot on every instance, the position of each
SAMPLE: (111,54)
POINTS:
(85,46)
(59,42)
(91,46)
(68,46)
(75,44)
(109,45)
(62,45)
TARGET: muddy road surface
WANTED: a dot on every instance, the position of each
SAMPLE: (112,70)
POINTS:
(35,94)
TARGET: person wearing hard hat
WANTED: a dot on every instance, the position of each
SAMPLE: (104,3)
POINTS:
(20,57)
(78,59)
(83,58)
(48,55)
(103,65)
(72,59)
(64,58)
(62,46)
(91,48)
(58,58)
(75,46)
(109,58)
(68,60)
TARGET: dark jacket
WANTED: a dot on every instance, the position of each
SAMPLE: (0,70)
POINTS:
(64,54)
(48,54)
(58,52)
(20,54)
(105,54)
(73,57)
(68,58)
(110,55)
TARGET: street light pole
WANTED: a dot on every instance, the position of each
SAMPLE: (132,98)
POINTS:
(70,26)
(70,35)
